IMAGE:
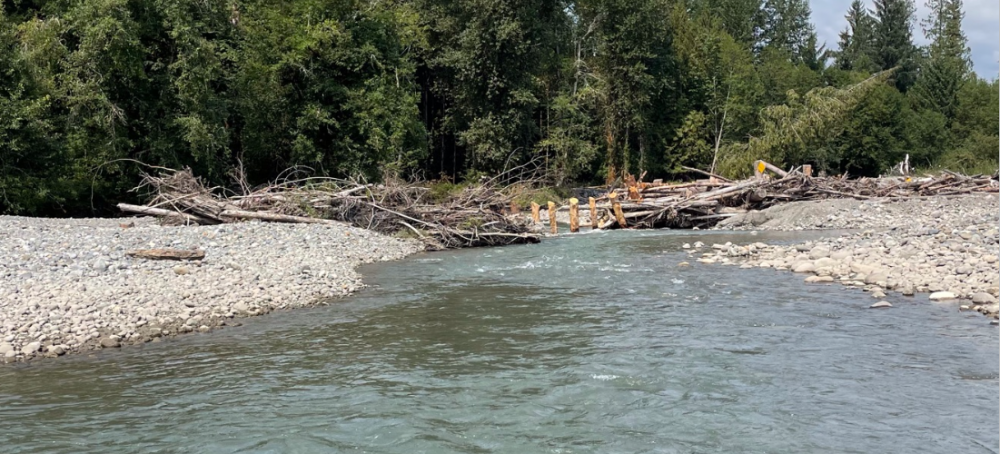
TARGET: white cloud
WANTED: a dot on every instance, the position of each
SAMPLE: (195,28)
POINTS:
(981,25)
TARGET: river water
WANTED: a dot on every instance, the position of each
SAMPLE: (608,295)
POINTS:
(591,343)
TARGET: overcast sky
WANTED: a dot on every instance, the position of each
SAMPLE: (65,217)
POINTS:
(981,25)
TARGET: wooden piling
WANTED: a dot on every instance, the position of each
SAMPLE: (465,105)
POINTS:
(552,218)
(617,208)
(593,213)
(574,215)
(807,170)
(535,215)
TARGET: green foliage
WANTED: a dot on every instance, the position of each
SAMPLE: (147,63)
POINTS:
(871,137)
(588,89)
(524,197)
(794,133)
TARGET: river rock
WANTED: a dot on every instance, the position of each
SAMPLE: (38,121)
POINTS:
(31,348)
(803,267)
(877,278)
(942,296)
(110,342)
(5,347)
(818,253)
(983,298)
(819,279)
(878,293)
(840,255)
(825,262)
(880,305)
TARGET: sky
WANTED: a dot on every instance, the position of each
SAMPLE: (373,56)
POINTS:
(981,25)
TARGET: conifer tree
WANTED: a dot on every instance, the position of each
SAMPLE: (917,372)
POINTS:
(948,64)
(787,26)
(894,40)
(856,47)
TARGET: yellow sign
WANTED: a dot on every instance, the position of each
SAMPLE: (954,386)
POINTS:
(760,167)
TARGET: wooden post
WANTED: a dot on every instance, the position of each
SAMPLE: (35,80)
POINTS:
(758,169)
(514,209)
(535,216)
(617,208)
(552,218)
(593,213)
(807,170)
(574,215)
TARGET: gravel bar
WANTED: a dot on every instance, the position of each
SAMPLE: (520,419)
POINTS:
(944,246)
(66,285)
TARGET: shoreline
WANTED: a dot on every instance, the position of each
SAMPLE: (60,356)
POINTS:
(945,246)
(67,286)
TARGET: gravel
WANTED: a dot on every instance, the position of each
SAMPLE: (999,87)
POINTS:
(944,246)
(66,285)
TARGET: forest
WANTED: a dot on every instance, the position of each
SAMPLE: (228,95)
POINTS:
(95,92)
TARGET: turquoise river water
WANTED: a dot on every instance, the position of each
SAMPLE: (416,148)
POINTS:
(595,343)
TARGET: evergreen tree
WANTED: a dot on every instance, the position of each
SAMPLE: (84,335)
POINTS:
(948,65)
(857,41)
(894,40)
(741,19)
(786,27)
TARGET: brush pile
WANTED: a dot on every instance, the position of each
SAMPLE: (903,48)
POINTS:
(477,215)
(705,202)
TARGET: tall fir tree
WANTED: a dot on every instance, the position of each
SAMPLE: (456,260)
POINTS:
(948,65)
(741,19)
(857,41)
(894,40)
(786,27)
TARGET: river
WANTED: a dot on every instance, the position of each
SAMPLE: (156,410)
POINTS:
(594,343)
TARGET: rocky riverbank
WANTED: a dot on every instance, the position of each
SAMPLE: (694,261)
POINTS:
(945,246)
(66,285)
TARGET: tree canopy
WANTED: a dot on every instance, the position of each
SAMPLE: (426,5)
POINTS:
(92,91)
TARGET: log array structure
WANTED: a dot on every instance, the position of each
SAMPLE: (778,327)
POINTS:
(705,202)
(484,215)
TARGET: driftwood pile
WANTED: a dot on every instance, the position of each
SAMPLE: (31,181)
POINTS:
(476,215)
(705,202)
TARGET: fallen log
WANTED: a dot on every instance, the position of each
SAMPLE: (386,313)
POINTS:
(167,254)
(160,212)
(273,217)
